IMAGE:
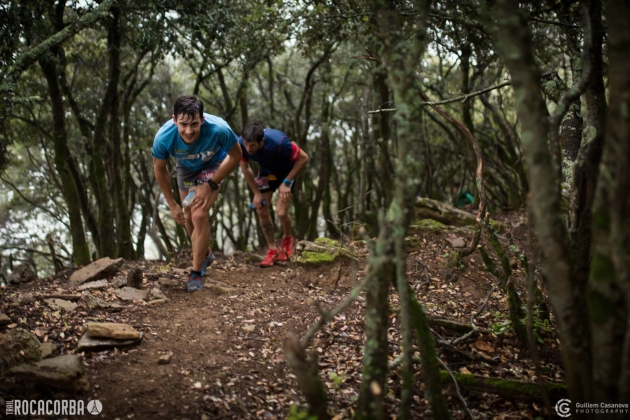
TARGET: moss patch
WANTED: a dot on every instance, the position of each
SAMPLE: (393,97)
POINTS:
(430,223)
(326,242)
(310,257)
(452,260)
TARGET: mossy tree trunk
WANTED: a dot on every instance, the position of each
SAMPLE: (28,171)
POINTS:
(609,281)
(123,221)
(401,59)
(513,42)
(596,352)
(80,247)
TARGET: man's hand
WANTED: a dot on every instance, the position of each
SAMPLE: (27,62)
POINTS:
(258,198)
(178,214)
(204,195)
(285,192)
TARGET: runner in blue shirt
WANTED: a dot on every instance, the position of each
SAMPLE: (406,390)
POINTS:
(206,151)
(280,160)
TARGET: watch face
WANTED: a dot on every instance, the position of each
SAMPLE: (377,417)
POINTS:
(288,183)
(213,184)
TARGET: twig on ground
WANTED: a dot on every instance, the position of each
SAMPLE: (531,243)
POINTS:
(472,318)
(457,388)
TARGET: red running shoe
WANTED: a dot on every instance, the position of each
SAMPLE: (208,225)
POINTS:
(271,258)
(287,246)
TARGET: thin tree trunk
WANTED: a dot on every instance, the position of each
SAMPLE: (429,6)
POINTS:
(514,44)
(80,246)
(610,266)
(123,222)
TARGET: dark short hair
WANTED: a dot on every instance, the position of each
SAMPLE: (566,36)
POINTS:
(253,132)
(189,105)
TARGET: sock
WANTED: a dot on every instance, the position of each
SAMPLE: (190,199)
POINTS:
(195,272)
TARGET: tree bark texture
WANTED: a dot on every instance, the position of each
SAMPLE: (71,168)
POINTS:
(513,42)
(80,247)
(609,281)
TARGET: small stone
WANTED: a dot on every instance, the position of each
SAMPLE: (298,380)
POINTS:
(249,328)
(25,299)
(156,302)
(134,278)
(165,359)
(114,307)
(157,294)
(119,281)
(129,293)
(47,349)
(99,284)
(115,330)
(94,302)
(86,343)
(166,282)
(4,319)
(197,385)
(457,242)
(64,304)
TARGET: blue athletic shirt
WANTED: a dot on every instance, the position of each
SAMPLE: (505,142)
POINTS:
(277,156)
(215,139)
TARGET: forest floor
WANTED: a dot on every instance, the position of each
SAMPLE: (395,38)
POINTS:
(226,342)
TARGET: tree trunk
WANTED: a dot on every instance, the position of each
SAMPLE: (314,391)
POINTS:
(123,222)
(514,45)
(609,288)
(80,246)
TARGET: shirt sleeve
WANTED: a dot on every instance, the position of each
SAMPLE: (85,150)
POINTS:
(227,139)
(244,152)
(289,150)
(159,151)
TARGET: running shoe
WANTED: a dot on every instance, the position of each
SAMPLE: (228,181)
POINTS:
(271,258)
(287,246)
(207,262)
(194,283)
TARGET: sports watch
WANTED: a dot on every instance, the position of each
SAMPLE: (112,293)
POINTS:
(288,182)
(213,184)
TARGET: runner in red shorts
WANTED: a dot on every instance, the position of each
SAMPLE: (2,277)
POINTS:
(280,160)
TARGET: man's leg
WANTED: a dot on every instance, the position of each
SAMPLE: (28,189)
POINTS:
(266,223)
(187,215)
(200,236)
(282,209)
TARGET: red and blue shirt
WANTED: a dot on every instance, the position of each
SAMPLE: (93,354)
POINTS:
(277,156)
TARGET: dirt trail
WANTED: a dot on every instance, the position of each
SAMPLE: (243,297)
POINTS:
(226,342)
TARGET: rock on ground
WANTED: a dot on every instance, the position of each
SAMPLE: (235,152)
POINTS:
(134,278)
(23,273)
(129,293)
(114,330)
(16,347)
(65,372)
(97,270)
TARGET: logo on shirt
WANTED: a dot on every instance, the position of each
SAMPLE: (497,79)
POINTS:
(204,156)
(181,151)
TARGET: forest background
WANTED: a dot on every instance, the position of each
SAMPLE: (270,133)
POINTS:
(524,103)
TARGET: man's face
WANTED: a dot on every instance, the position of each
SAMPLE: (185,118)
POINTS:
(188,127)
(253,146)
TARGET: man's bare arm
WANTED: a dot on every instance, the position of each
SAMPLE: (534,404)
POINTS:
(164,182)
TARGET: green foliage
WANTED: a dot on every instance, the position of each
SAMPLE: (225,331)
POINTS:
(295,413)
